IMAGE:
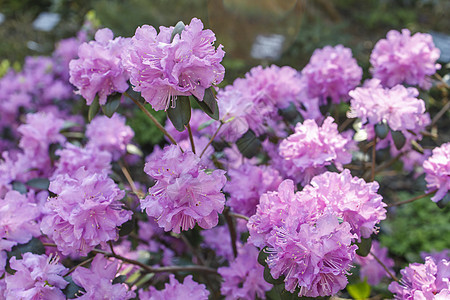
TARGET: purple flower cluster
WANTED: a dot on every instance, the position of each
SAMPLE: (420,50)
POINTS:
(437,171)
(423,281)
(85,213)
(311,148)
(99,70)
(189,289)
(35,277)
(332,72)
(109,134)
(162,68)
(246,185)
(97,281)
(402,58)
(184,193)
(243,279)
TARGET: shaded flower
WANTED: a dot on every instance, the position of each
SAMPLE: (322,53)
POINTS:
(437,171)
(332,72)
(402,58)
(244,279)
(189,289)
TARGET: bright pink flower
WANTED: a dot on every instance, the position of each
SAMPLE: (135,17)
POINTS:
(402,58)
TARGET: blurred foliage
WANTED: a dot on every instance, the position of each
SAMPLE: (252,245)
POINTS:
(146,133)
(415,227)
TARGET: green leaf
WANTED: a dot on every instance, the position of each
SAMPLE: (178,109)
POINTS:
(180,115)
(248,144)
(209,104)
(268,277)
(126,228)
(19,186)
(34,246)
(133,149)
(291,114)
(111,107)
(72,290)
(399,139)
(119,279)
(262,256)
(93,109)
(68,125)
(205,124)
(178,29)
(360,290)
(364,247)
(381,130)
(39,183)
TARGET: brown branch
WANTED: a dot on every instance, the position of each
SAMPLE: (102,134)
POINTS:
(412,199)
(130,180)
(232,229)
(212,139)
(440,114)
(79,265)
(374,149)
(239,216)
(384,267)
(191,138)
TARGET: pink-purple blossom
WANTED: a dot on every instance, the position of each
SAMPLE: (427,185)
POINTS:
(370,268)
(97,281)
(402,58)
(162,69)
(437,172)
(189,289)
(98,70)
(243,278)
(35,277)
(85,213)
(184,194)
(109,134)
(332,72)
(247,183)
(430,280)
(311,148)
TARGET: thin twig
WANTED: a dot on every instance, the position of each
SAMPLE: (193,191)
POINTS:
(212,139)
(130,180)
(79,265)
(439,77)
(231,228)
(191,138)
(199,257)
(154,120)
(440,114)
(384,266)
(386,164)
(412,199)
(239,216)
(345,124)
(111,247)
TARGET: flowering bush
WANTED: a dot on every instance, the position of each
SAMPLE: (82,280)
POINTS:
(260,191)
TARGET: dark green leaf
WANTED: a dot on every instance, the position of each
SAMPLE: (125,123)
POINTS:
(262,256)
(180,115)
(360,290)
(364,247)
(126,228)
(72,290)
(111,107)
(444,201)
(382,130)
(268,277)
(19,186)
(248,144)
(177,30)
(399,139)
(93,109)
(209,104)
(291,114)
(38,183)
(119,279)
(34,246)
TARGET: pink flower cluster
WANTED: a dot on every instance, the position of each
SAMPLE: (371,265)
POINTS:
(437,172)
(311,148)
(423,281)
(85,213)
(402,58)
(99,70)
(332,72)
(163,67)
(184,193)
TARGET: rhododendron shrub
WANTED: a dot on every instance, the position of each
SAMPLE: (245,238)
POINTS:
(275,186)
